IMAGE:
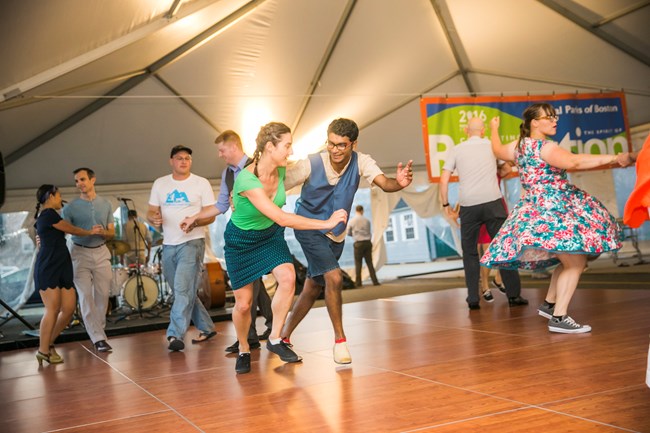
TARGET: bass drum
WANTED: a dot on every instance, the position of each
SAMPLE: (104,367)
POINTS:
(149,292)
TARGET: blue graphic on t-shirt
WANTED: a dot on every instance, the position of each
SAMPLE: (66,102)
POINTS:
(176,197)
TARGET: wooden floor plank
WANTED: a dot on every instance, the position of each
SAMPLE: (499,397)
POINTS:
(421,362)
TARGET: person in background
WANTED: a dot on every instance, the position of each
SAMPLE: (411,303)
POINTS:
(53,274)
(554,223)
(173,197)
(481,203)
(359,229)
(91,258)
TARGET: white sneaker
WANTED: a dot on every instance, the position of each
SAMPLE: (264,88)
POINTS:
(341,353)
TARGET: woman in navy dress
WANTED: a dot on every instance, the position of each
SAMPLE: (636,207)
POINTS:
(53,275)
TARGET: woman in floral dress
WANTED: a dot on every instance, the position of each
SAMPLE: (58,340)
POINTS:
(554,223)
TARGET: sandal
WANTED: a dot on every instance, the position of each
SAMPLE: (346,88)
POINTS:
(204,336)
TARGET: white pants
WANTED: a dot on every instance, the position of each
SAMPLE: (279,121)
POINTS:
(92,279)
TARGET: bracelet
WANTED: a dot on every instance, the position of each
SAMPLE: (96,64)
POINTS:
(445,204)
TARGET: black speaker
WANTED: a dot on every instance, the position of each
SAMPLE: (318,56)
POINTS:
(2,180)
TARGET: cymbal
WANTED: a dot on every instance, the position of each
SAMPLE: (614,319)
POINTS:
(118,247)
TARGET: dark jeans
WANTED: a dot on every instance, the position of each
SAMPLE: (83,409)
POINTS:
(363,250)
(492,214)
(262,300)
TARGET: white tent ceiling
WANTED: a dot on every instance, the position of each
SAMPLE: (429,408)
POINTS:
(115,84)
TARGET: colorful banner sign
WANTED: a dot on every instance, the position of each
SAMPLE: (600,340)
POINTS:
(593,123)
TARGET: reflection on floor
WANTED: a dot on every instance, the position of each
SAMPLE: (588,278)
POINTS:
(421,362)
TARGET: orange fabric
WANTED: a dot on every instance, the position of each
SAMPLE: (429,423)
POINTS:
(636,208)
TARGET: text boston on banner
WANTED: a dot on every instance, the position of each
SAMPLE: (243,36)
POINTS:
(593,123)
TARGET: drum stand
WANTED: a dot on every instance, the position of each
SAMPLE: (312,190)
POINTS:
(141,296)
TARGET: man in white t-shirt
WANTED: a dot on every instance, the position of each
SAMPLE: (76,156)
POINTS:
(481,203)
(173,197)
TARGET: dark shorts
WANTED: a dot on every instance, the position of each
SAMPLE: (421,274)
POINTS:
(322,253)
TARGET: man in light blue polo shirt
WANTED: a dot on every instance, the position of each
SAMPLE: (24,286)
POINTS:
(91,258)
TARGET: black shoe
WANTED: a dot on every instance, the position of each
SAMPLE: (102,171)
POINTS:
(265,335)
(501,287)
(473,306)
(283,351)
(243,364)
(517,300)
(234,347)
(175,344)
(103,346)
(487,296)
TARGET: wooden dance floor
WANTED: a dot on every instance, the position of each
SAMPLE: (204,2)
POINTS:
(421,362)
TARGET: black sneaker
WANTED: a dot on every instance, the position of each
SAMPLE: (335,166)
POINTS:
(487,295)
(501,287)
(517,300)
(103,346)
(473,306)
(234,348)
(243,364)
(175,344)
(283,351)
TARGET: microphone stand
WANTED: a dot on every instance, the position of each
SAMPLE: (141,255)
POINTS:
(138,236)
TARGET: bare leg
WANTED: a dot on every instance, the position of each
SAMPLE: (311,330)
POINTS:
(334,301)
(68,305)
(567,280)
(52,302)
(303,304)
(285,275)
(241,315)
(551,295)
(497,278)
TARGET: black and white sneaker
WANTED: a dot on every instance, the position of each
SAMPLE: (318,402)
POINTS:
(496,285)
(567,326)
(487,296)
(545,310)
(243,364)
(283,350)
(175,344)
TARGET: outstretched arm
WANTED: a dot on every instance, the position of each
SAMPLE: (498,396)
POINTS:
(402,179)
(204,217)
(66,227)
(264,204)
(558,157)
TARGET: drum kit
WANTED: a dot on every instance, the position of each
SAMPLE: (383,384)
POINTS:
(136,286)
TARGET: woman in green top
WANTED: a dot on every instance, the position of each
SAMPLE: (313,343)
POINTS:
(255,242)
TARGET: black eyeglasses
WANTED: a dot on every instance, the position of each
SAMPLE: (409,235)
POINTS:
(552,118)
(339,146)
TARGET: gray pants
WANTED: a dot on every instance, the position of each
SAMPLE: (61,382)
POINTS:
(92,278)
